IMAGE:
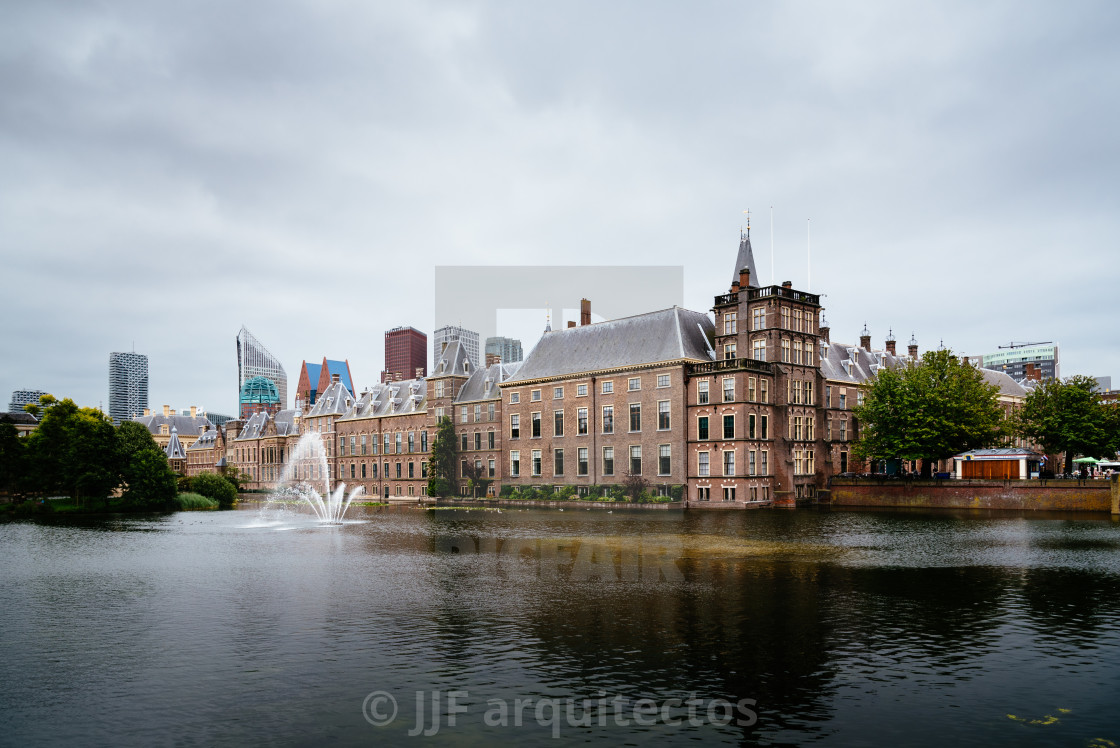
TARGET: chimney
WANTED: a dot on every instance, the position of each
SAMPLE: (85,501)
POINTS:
(419,372)
(584,312)
(396,376)
(825,329)
(147,411)
(912,349)
(1034,373)
(492,358)
(334,378)
(787,284)
(194,411)
(865,339)
(745,278)
(167,410)
(735,287)
(891,343)
(572,322)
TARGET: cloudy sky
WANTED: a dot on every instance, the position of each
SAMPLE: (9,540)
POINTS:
(172,171)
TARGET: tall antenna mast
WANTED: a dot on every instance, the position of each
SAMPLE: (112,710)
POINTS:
(772,275)
(809,253)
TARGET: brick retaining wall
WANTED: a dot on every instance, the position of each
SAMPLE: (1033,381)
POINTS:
(1047,495)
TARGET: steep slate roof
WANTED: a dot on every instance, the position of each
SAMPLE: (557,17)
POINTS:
(333,401)
(313,371)
(184,424)
(745,259)
(452,362)
(392,399)
(1007,385)
(666,335)
(206,441)
(483,384)
(258,425)
(175,449)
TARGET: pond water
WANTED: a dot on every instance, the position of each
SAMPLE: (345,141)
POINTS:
(545,627)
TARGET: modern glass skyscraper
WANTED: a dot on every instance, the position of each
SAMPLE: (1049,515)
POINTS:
(23,397)
(467,338)
(254,360)
(508,349)
(128,386)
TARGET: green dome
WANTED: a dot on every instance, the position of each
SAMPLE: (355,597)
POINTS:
(259,390)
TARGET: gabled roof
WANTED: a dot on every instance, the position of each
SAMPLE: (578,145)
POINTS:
(672,334)
(175,449)
(206,441)
(483,384)
(453,362)
(184,424)
(335,400)
(1007,385)
(392,399)
(745,259)
(262,423)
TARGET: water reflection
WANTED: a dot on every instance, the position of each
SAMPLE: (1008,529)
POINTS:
(850,627)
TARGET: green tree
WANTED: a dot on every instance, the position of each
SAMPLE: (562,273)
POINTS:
(11,457)
(477,481)
(441,471)
(74,451)
(149,481)
(1070,417)
(217,487)
(928,411)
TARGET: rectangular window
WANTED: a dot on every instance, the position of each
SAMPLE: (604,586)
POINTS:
(536,462)
(750,426)
(762,428)
(581,421)
(703,469)
(843,401)
(702,392)
(535,395)
(762,468)
(702,428)
(844,431)
(462,469)
(423,469)
(411,470)
(634,383)
(462,442)
(489,439)
(758,350)
(758,319)
(828,396)
(663,415)
(490,469)
(363,471)
(397,442)
(797,351)
(558,423)
(636,460)
(478,412)
(423,441)
(764,390)
(608,460)
(411,442)
(608,387)
(729,389)
(751,464)
(730,351)
(536,425)
(398,470)
(729,427)
(342,446)
(514,426)
(581,390)
(581,461)
(729,463)
(608,419)
(785,318)
(515,463)
(373,444)
(557,462)
(809,353)
(662,380)
(635,416)
(363,443)
(352,469)
(490,412)
(729,323)
(557,393)
(353,445)
(462,414)
(385,469)
(515,397)
(785,350)
(478,440)
(663,459)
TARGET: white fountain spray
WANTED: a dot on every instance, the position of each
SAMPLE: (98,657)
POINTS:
(307,468)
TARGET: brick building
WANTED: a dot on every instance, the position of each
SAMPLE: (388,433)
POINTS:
(406,354)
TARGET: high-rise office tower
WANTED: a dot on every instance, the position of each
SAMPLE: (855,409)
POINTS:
(406,350)
(254,360)
(128,386)
(467,338)
(23,397)
(507,349)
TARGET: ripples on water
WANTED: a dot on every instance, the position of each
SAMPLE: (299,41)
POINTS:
(848,628)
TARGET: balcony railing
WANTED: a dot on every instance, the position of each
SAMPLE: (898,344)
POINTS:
(783,293)
(727,298)
(731,364)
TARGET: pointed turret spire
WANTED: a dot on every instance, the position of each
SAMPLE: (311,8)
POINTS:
(745,258)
